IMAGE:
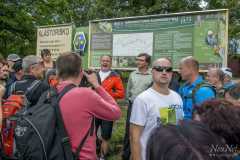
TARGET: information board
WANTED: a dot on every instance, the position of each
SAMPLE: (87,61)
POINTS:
(202,34)
(58,39)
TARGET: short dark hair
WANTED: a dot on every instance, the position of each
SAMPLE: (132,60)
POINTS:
(68,65)
(45,52)
(17,66)
(147,57)
(3,61)
(188,140)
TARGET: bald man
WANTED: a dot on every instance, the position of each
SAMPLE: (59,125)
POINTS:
(194,91)
(156,106)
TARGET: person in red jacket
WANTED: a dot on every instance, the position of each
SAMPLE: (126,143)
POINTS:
(112,83)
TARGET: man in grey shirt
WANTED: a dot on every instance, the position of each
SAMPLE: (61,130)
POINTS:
(138,81)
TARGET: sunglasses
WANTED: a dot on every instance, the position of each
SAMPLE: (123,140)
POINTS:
(161,69)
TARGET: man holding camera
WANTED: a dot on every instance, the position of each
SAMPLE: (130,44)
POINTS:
(112,83)
(80,105)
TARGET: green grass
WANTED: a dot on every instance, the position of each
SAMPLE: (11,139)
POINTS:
(116,142)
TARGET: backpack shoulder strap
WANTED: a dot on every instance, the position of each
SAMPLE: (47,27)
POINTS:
(198,86)
(62,129)
(34,85)
(12,88)
(65,90)
(65,141)
(89,132)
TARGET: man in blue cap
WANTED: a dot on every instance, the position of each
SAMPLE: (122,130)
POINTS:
(12,59)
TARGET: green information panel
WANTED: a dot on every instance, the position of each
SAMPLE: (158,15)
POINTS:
(202,35)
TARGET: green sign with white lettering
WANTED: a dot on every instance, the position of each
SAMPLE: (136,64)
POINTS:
(200,34)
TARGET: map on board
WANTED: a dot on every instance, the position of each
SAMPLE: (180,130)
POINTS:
(202,35)
(132,44)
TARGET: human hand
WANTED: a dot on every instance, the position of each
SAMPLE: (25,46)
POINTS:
(92,78)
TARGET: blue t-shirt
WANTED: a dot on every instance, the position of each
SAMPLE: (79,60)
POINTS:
(201,95)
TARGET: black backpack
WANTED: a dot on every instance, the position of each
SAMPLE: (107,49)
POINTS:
(40,133)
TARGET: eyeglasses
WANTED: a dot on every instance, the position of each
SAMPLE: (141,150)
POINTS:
(161,69)
(38,63)
(138,59)
(47,55)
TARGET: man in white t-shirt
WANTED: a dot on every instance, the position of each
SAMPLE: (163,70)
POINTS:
(156,106)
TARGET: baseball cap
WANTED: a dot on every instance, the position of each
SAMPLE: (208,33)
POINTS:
(50,72)
(13,57)
(227,71)
(17,66)
(210,32)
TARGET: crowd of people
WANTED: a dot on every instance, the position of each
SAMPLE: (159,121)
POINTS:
(194,117)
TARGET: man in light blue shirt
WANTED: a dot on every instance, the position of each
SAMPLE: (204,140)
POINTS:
(189,70)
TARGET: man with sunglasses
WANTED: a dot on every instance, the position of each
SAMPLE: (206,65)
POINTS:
(194,91)
(156,106)
(138,81)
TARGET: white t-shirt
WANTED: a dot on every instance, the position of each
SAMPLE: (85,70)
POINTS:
(151,108)
(104,75)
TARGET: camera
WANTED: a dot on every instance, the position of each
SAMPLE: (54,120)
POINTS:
(89,71)
(84,82)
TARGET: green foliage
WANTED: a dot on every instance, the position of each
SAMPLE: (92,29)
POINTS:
(234,14)
(20,18)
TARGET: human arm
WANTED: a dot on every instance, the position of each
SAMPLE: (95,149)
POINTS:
(101,103)
(2,91)
(137,122)
(179,110)
(129,87)
(135,134)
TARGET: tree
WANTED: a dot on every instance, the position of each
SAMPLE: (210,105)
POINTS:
(20,18)
(234,14)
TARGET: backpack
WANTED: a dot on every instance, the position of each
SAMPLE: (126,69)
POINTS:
(11,106)
(198,86)
(40,133)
